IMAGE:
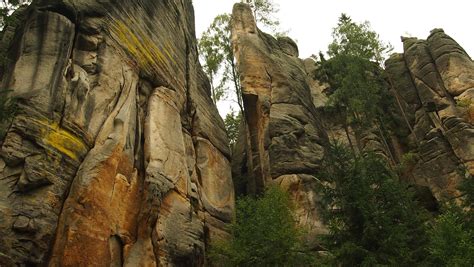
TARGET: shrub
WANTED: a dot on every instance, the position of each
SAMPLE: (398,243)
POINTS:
(372,217)
(264,233)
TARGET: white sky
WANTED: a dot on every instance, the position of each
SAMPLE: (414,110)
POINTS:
(310,22)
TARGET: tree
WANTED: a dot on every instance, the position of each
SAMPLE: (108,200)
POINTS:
(357,86)
(371,217)
(353,71)
(211,52)
(451,239)
(264,11)
(232,125)
(216,51)
(452,233)
(264,233)
(7,7)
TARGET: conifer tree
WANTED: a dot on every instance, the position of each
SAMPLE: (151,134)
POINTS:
(372,217)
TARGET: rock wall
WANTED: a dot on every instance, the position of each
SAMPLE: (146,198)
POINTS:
(433,85)
(287,126)
(116,155)
(283,140)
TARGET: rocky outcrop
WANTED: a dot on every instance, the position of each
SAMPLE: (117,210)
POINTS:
(116,155)
(432,83)
(283,139)
(287,123)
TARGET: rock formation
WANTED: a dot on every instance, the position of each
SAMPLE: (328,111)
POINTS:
(287,126)
(284,141)
(116,155)
(433,86)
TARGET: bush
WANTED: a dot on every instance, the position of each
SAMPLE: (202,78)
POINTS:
(452,234)
(264,233)
(371,216)
(451,240)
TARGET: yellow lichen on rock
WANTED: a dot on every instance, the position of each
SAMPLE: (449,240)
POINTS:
(137,43)
(61,140)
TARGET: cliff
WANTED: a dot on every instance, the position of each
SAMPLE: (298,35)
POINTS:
(433,85)
(284,141)
(287,126)
(116,155)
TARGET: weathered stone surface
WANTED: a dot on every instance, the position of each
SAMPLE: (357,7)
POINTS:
(287,122)
(284,138)
(452,62)
(303,190)
(431,83)
(112,159)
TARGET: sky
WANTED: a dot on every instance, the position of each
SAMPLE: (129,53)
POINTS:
(310,22)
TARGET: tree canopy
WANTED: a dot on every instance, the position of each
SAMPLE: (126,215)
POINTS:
(7,7)
(452,233)
(218,59)
(372,217)
(353,71)
(232,123)
(215,50)
(264,12)
(264,233)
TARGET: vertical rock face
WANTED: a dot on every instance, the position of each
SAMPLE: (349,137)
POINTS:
(116,156)
(433,84)
(284,141)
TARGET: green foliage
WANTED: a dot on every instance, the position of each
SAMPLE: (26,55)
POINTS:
(218,59)
(216,52)
(452,234)
(232,123)
(452,239)
(358,40)
(410,158)
(408,162)
(467,188)
(464,103)
(371,216)
(264,233)
(353,71)
(264,11)
(6,8)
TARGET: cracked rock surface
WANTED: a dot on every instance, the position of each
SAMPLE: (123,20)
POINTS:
(107,163)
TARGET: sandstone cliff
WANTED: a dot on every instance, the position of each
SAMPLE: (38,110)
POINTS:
(287,126)
(117,155)
(433,85)
(283,140)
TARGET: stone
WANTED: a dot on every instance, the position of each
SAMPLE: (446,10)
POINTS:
(114,158)
(285,141)
(428,81)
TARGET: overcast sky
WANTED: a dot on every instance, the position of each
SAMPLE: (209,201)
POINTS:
(310,22)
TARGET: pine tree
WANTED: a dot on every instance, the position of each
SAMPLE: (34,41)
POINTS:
(372,217)
(353,72)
